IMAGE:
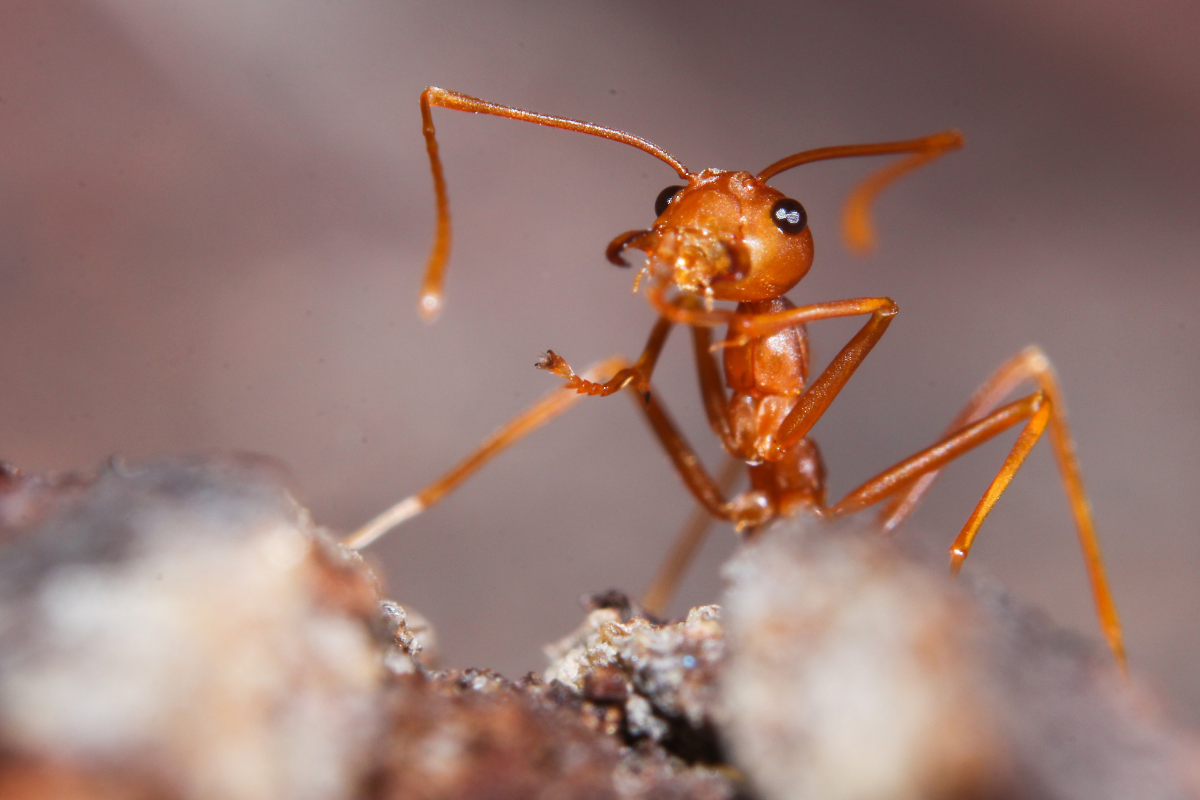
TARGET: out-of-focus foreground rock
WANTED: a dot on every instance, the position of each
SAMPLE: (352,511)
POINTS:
(180,629)
(856,672)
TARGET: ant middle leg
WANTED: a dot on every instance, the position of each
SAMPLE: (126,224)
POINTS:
(1034,410)
(1030,364)
(687,544)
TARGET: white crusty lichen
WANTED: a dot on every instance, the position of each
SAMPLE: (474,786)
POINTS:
(184,626)
(853,673)
(666,672)
(180,629)
(857,673)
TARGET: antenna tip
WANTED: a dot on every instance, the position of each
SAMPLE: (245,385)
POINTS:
(858,233)
(430,306)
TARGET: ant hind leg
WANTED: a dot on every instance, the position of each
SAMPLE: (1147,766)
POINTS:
(906,485)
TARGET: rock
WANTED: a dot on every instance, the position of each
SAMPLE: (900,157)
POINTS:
(181,628)
(856,672)
(663,677)
(472,734)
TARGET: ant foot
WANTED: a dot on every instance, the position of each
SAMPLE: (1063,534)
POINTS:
(750,509)
(553,362)
(740,340)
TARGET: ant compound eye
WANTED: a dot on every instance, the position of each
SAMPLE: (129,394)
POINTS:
(664,199)
(788,215)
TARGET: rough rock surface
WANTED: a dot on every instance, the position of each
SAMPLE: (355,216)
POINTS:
(470,734)
(855,672)
(180,629)
(660,678)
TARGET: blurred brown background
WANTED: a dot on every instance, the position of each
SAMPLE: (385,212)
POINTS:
(214,216)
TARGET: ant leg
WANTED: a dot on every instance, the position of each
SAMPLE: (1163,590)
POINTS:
(750,508)
(686,545)
(817,397)
(638,375)
(747,509)
(536,415)
(901,475)
(692,535)
(1030,363)
(712,387)
(541,412)
(1039,409)
(745,327)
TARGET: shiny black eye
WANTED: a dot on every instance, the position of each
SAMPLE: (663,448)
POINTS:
(664,199)
(788,215)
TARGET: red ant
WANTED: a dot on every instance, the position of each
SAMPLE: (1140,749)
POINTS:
(729,236)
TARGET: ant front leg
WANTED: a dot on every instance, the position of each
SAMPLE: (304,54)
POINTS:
(638,375)
(743,328)
(748,509)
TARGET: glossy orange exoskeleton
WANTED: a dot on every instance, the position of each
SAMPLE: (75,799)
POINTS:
(729,236)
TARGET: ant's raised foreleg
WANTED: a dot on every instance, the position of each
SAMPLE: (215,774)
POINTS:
(637,376)
(817,397)
(541,412)
(748,509)
(744,327)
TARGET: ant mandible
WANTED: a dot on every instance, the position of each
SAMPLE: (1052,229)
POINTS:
(728,236)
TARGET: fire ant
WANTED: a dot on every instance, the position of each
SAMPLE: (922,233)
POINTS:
(728,236)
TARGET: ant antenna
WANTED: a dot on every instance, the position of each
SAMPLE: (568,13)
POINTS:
(857,229)
(431,286)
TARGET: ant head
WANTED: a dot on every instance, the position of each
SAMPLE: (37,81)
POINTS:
(725,236)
